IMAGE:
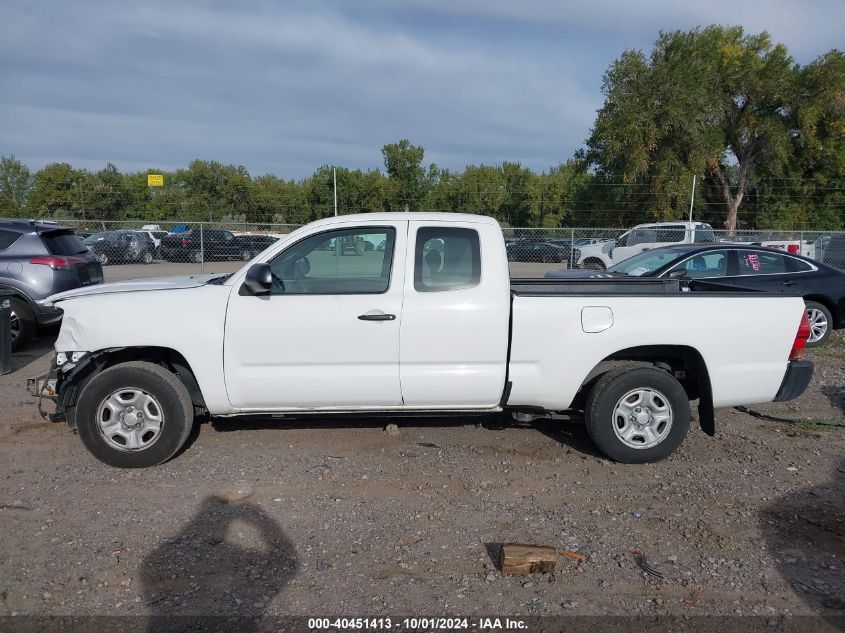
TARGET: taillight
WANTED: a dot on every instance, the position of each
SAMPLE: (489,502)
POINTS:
(57,262)
(184,241)
(793,248)
(800,343)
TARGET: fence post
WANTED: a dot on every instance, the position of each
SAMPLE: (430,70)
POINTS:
(202,250)
(572,248)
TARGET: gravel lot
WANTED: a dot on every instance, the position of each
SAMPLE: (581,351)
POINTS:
(331,516)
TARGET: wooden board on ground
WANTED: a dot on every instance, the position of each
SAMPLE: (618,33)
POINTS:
(522,560)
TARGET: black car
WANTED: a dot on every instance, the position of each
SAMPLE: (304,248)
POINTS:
(38,260)
(194,246)
(111,247)
(546,252)
(743,267)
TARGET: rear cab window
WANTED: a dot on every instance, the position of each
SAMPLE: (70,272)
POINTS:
(63,243)
(446,258)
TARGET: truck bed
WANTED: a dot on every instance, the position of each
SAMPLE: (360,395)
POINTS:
(527,287)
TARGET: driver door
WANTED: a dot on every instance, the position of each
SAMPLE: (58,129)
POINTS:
(328,334)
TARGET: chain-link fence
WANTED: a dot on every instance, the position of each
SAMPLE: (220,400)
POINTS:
(176,247)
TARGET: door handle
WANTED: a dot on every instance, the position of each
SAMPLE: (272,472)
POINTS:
(378,316)
(787,283)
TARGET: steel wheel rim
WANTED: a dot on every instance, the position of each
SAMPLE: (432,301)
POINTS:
(130,420)
(642,418)
(818,325)
(15,325)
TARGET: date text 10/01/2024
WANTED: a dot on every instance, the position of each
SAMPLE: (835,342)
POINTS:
(417,624)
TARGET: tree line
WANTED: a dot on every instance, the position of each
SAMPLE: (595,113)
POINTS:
(763,135)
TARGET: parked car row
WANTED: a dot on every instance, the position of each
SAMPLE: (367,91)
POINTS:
(144,246)
(196,246)
(738,267)
(39,259)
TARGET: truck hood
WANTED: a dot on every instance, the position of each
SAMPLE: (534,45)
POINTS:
(135,285)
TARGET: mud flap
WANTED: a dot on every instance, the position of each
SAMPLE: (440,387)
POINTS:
(706,412)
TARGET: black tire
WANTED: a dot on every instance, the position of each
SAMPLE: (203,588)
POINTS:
(608,392)
(246,255)
(828,317)
(23,324)
(176,409)
(147,257)
(594,264)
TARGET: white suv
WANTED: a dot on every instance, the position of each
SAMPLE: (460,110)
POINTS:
(642,238)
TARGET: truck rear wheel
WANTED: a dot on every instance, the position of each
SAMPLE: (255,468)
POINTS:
(637,415)
(134,415)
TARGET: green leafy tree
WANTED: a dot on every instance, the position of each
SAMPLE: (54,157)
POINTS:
(482,190)
(106,195)
(408,180)
(15,184)
(703,101)
(57,191)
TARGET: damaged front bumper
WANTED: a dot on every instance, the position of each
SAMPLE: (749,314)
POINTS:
(50,385)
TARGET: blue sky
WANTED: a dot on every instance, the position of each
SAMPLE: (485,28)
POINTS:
(285,87)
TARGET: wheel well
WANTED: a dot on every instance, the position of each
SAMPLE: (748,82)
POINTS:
(684,363)
(593,260)
(827,303)
(168,358)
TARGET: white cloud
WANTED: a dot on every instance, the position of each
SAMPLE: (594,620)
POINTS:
(289,87)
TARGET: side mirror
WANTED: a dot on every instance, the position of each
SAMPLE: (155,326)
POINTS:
(258,281)
(681,273)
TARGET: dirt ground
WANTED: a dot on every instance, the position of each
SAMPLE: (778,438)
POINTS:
(337,517)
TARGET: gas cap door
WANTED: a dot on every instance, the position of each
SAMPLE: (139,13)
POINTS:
(596,319)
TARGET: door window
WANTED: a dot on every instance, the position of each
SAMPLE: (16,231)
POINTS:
(761,263)
(336,262)
(446,258)
(705,265)
(670,234)
(641,236)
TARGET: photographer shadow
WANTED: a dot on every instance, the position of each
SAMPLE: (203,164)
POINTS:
(805,532)
(220,572)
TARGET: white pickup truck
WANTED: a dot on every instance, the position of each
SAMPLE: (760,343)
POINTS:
(604,254)
(407,313)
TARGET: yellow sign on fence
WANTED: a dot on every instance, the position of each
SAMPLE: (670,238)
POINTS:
(155,180)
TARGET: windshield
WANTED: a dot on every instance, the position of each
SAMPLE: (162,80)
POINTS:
(648,262)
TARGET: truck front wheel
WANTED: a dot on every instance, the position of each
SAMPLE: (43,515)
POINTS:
(637,415)
(134,415)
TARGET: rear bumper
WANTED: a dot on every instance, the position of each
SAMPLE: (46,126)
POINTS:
(798,376)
